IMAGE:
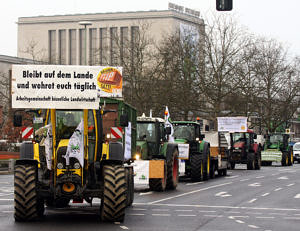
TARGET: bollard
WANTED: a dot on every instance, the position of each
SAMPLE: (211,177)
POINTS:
(11,166)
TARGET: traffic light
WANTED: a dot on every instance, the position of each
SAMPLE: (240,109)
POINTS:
(224,5)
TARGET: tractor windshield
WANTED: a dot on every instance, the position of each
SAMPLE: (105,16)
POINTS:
(67,122)
(238,137)
(184,131)
(276,138)
(146,131)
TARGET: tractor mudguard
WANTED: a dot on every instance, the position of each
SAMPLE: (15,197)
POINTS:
(116,151)
(26,150)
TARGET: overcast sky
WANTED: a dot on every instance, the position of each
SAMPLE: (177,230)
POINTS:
(278,19)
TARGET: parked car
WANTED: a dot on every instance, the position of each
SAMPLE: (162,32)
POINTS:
(296,152)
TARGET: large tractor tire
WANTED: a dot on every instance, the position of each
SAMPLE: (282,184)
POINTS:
(159,184)
(113,203)
(130,186)
(206,165)
(285,159)
(291,158)
(172,170)
(250,161)
(28,206)
(196,167)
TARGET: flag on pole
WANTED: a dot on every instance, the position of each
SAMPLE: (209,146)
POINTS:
(75,146)
(169,124)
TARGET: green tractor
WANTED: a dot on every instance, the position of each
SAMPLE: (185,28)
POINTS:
(277,149)
(153,146)
(194,151)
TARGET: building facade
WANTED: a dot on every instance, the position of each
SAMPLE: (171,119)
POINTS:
(62,39)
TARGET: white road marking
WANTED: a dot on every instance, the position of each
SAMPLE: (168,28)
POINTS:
(146,193)
(277,189)
(266,194)
(186,215)
(162,210)
(244,180)
(139,209)
(232,212)
(201,182)
(259,177)
(297,196)
(6,199)
(253,226)
(265,217)
(163,214)
(213,215)
(253,213)
(239,221)
(222,194)
(256,184)
(251,201)
(222,207)
(292,218)
(136,214)
(5,194)
(7,211)
(184,210)
(123,227)
(283,178)
(188,193)
(281,214)
(290,184)
(234,217)
(201,211)
(230,177)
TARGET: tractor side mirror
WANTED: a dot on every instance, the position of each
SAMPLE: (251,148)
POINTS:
(17,120)
(124,120)
(168,130)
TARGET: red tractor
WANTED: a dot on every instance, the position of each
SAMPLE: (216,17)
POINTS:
(244,150)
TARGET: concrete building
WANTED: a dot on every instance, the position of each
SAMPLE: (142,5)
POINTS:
(62,39)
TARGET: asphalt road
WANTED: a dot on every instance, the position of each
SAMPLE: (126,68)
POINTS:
(268,199)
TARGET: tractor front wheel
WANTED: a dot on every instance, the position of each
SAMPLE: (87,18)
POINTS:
(196,167)
(172,170)
(113,202)
(28,206)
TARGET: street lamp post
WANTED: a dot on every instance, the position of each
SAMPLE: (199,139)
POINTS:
(85,24)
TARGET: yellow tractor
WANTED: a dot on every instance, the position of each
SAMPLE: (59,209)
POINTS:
(70,159)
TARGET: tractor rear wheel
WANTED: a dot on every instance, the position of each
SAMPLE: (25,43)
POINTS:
(159,184)
(250,161)
(113,202)
(28,206)
(207,166)
(196,167)
(130,186)
(172,170)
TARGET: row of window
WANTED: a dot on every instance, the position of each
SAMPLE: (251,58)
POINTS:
(106,46)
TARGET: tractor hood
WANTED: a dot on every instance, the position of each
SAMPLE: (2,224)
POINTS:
(181,141)
(239,145)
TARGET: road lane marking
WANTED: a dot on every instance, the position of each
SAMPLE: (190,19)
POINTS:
(283,178)
(222,207)
(292,218)
(297,196)
(277,189)
(146,193)
(253,226)
(139,209)
(266,194)
(161,210)
(251,201)
(239,221)
(256,184)
(222,194)
(186,215)
(253,213)
(232,212)
(209,211)
(210,215)
(194,183)
(281,214)
(188,193)
(6,199)
(259,177)
(231,177)
(184,210)
(265,217)
(123,227)
(290,184)
(161,214)
(136,214)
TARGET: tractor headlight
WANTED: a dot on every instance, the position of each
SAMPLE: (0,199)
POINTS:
(108,136)
(197,139)
(77,165)
(60,165)
(137,156)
